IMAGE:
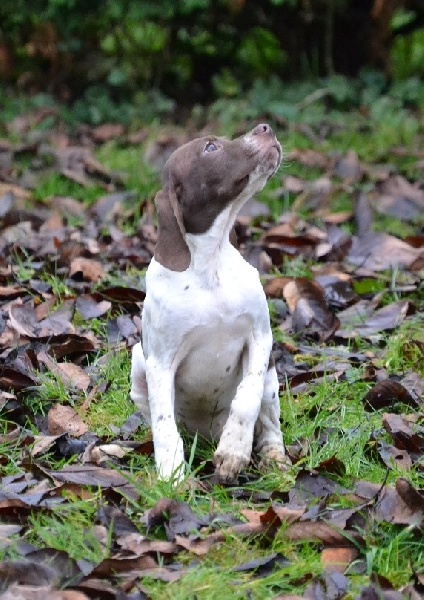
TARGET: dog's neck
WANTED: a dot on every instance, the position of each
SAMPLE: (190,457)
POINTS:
(210,250)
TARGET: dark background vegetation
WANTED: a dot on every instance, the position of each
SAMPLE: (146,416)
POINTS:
(117,59)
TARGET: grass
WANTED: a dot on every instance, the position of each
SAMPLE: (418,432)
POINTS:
(70,530)
(55,184)
(330,416)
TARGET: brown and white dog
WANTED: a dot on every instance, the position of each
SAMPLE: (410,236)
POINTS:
(204,360)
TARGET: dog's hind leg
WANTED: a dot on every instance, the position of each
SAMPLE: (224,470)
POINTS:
(268,437)
(138,391)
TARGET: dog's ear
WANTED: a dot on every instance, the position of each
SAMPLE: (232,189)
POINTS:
(171,250)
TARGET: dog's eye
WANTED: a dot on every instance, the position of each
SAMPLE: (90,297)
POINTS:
(210,147)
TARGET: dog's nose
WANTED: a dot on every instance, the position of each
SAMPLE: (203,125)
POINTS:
(262,128)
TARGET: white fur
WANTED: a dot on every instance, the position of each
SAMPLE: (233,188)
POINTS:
(206,347)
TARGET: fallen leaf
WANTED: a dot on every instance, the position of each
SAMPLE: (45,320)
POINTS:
(386,318)
(70,374)
(386,393)
(87,269)
(264,566)
(402,434)
(413,498)
(389,507)
(138,545)
(306,302)
(394,457)
(337,559)
(64,419)
(90,308)
(330,586)
(26,572)
(88,475)
(177,516)
(24,320)
(381,251)
(29,592)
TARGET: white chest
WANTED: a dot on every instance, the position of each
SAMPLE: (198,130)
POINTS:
(205,324)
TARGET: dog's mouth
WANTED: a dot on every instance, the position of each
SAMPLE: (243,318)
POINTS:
(272,158)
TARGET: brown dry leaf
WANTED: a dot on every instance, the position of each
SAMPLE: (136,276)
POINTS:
(86,268)
(178,517)
(380,251)
(23,319)
(17,374)
(137,544)
(375,592)
(63,419)
(316,195)
(10,292)
(284,236)
(71,345)
(389,506)
(105,452)
(71,375)
(122,295)
(402,434)
(107,208)
(288,514)
(386,393)
(263,566)
(319,532)
(413,498)
(337,559)
(330,586)
(413,382)
(356,322)
(53,223)
(26,572)
(29,592)
(274,288)
(399,198)
(306,302)
(122,564)
(42,443)
(311,485)
(88,475)
(101,589)
(199,547)
(392,456)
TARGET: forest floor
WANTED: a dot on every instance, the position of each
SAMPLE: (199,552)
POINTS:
(338,238)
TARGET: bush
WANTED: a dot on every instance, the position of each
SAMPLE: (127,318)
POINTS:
(196,50)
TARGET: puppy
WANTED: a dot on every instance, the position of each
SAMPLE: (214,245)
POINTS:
(204,361)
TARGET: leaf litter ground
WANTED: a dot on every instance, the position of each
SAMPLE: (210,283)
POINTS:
(81,512)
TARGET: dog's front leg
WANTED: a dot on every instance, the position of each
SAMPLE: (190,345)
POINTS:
(235,446)
(168,445)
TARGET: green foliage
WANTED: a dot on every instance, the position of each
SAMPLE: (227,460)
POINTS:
(120,58)
(260,52)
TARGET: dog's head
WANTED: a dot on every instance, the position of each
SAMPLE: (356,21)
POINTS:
(202,178)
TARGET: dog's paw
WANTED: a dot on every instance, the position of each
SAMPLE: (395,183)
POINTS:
(274,455)
(228,466)
(169,460)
